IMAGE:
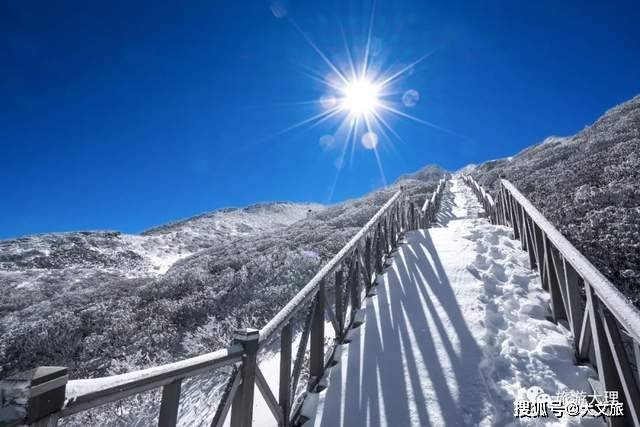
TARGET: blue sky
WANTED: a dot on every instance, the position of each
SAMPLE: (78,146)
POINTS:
(123,115)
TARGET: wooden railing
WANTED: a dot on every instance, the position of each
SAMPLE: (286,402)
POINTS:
(334,294)
(604,323)
(483,196)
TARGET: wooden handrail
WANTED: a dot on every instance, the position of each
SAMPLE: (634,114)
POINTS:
(109,389)
(619,305)
(309,290)
(602,320)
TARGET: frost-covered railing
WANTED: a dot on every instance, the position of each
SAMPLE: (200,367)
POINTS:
(605,324)
(483,196)
(334,296)
(431,205)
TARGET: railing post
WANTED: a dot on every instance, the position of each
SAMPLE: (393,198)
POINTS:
(284,396)
(576,309)
(393,230)
(242,407)
(557,304)
(503,205)
(413,216)
(521,226)
(385,220)
(378,243)
(316,356)
(339,301)
(170,404)
(33,397)
(514,218)
(531,251)
(355,284)
(605,364)
(367,260)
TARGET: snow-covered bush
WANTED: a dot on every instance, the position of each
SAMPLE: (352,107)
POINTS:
(588,186)
(107,323)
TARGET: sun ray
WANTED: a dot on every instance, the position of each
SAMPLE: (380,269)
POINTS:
(348,51)
(382,120)
(405,69)
(419,120)
(323,80)
(353,141)
(365,60)
(379,162)
(319,52)
(318,116)
(334,112)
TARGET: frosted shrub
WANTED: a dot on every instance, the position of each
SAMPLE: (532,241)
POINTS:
(588,187)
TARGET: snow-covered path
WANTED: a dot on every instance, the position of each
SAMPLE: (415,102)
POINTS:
(456,332)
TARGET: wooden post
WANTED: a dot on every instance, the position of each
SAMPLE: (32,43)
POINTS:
(378,243)
(170,404)
(538,237)
(355,284)
(514,218)
(503,197)
(242,407)
(530,244)
(316,356)
(523,227)
(34,397)
(576,308)
(557,303)
(393,231)
(623,367)
(339,301)
(367,260)
(413,216)
(284,395)
(605,364)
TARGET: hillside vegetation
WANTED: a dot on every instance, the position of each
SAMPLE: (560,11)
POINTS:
(90,301)
(588,186)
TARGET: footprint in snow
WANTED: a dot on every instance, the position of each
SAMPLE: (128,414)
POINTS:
(474,271)
(498,272)
(496,253)
(481,262)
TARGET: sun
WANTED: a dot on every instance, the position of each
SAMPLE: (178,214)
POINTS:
(360,97)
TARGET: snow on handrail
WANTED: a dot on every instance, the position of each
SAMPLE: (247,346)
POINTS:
(430,202)
(88,393)
(619,305)
(482,195)
(309,290)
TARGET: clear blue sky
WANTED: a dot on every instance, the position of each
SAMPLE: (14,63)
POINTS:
(123,115)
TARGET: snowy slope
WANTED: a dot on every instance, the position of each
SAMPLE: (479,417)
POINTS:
(34,260)
(63,295)
(587,186)
(457,331)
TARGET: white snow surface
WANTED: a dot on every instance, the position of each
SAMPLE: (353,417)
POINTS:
(32,261)
(458,330)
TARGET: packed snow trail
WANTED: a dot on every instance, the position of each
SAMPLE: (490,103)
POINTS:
(457,331)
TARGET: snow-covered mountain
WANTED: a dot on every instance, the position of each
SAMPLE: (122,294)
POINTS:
(588,185)
(34,261)
(107,302)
